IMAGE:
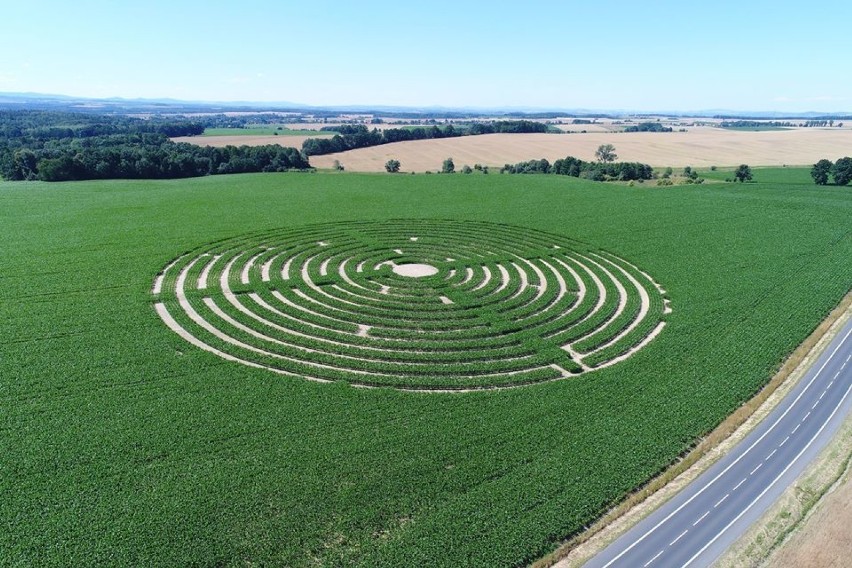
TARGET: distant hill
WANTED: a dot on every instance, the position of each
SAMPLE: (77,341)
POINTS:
(118,105)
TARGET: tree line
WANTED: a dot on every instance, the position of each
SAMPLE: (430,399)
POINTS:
(575,167)
(52,146)
(840,171)
(648,127)
(351,137)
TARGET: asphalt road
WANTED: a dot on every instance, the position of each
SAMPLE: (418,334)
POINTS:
(697,525)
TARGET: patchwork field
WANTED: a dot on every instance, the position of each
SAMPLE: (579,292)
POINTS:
(126,443)
(698,147)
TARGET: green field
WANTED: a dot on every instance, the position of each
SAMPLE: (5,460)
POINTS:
(266,130)
(122,444)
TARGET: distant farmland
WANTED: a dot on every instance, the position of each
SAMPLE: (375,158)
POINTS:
(698,147)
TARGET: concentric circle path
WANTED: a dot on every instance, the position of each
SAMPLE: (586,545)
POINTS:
(411,304)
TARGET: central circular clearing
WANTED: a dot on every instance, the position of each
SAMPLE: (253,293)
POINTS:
(411,304)
(415,270)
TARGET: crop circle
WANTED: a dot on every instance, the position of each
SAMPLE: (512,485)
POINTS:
(412,304)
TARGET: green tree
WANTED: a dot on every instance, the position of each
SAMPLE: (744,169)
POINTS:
(23,165)
(467,170)
(392,166)
(448,166)
(842,171)
(606,153)
(742,173)
(820,171)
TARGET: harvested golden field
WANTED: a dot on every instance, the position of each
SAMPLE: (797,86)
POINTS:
(698,147)
(597,127)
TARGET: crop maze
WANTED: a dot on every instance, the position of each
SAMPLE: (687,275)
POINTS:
(427,305)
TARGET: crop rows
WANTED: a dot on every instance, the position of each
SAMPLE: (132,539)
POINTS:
(486,305)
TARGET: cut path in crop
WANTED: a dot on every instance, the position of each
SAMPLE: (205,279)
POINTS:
(412,304)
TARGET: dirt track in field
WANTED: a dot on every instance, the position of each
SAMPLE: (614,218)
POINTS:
(698,147)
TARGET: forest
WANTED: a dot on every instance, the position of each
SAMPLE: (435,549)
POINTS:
(350,137)
(62,146)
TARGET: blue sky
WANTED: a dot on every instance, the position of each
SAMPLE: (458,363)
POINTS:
(653,55)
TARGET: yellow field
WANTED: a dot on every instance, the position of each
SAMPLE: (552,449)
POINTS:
(698,147)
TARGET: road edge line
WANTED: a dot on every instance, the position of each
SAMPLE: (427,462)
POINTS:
(642,502)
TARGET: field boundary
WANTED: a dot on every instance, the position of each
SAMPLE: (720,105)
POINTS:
(636,506)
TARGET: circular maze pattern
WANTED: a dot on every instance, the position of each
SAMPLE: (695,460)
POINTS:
(411,304)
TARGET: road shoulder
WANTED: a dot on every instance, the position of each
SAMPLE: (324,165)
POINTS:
(640,504)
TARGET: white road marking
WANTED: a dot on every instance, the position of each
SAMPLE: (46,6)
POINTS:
(784,442)
(806,416)
(789,465)
(823,394)
(814,405)
(722,500)
(648,563)
(796,428)
(760,465)
(701,518)
(680,536)
(737,486)
(772,453)
(733,463)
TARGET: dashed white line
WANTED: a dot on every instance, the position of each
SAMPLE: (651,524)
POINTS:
(772,453)
(814,405)
(701,518)
(736,460)
(806,416)
(737,486)
(722,500)
(755,469)
(784,441)
(796,428)
(823,394)
(786,468)
(680,536)
(648,563)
